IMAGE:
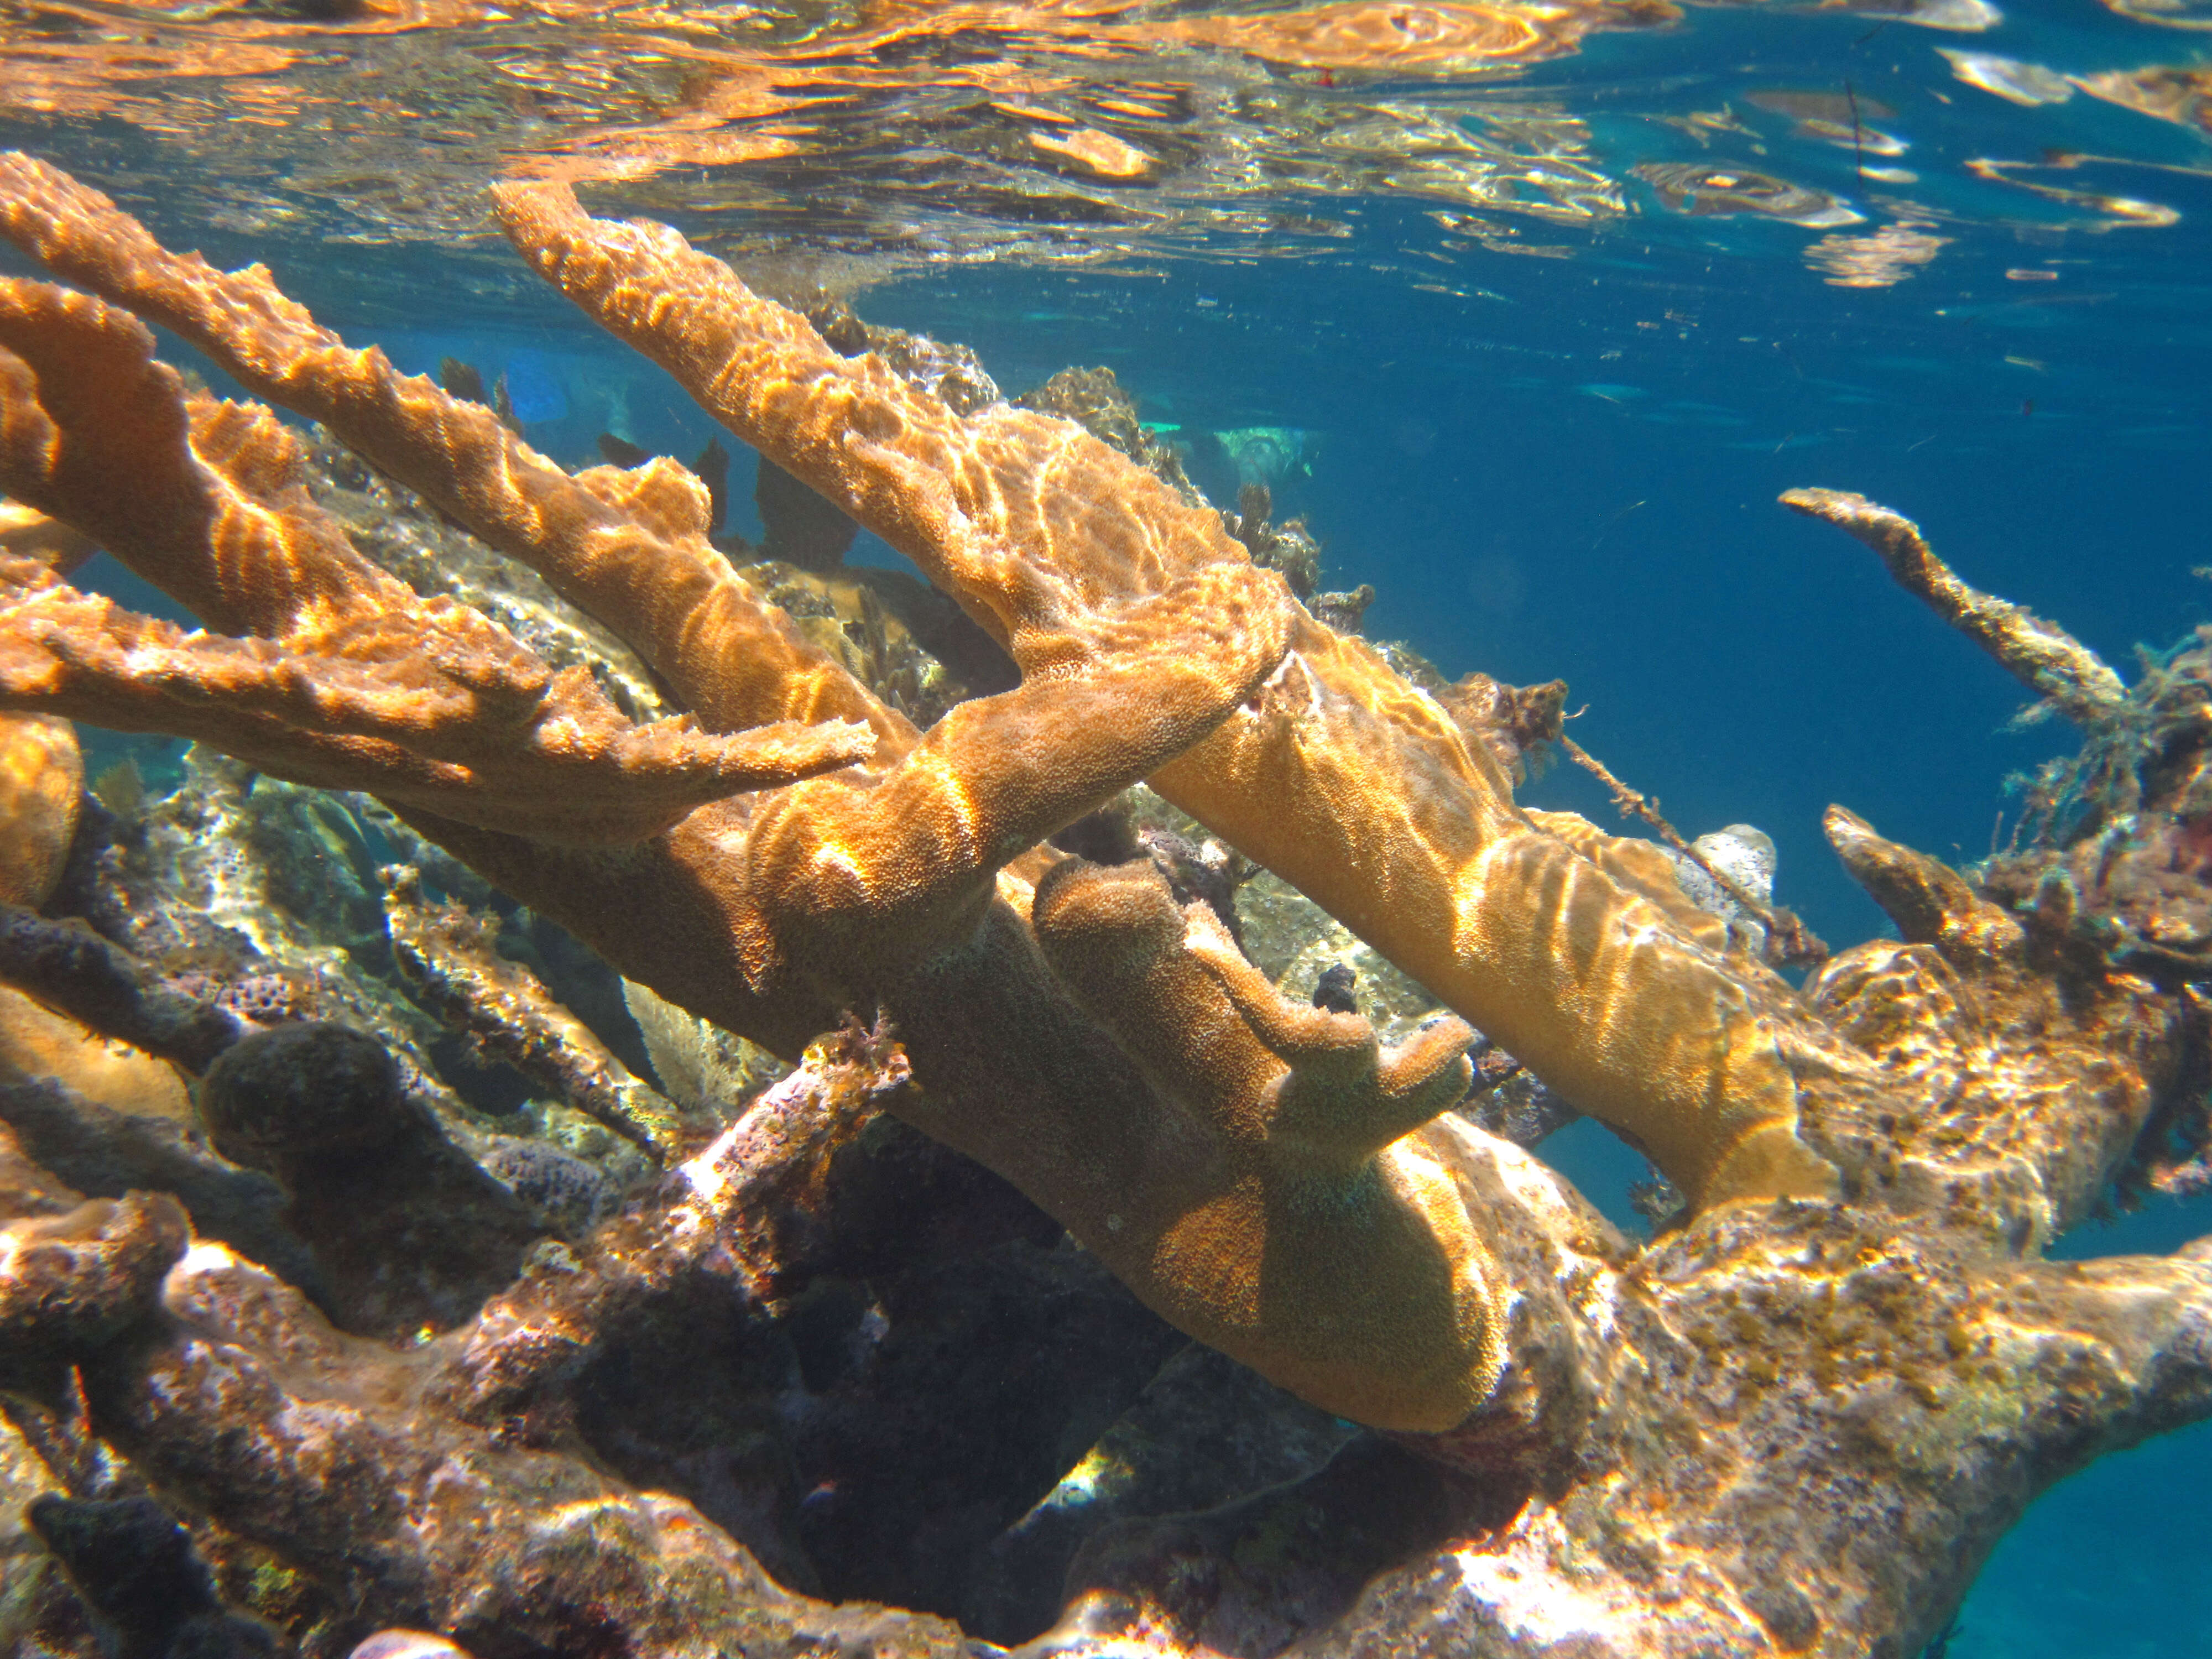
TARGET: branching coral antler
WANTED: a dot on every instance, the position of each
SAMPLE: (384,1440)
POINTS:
(772,915)
(2047,659)
(1043,532)
(349,679)
(1714,1441)
(1305,1138)
(1146,634)
(1340,777)
(627,547)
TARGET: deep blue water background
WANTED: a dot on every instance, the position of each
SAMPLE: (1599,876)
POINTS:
(1567,467)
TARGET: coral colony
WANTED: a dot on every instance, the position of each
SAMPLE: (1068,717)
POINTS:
(717,1354)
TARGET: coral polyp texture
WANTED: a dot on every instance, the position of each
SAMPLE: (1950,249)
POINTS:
(1793,1422)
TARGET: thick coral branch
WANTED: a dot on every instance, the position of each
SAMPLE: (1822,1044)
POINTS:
(1343,1098)
(628,548)
(1287,1232)
(1041,530)
(885,865)
(1137,621)
(1577,953)
(66,965)
(41,786)
(1931,902)
(2146,1320)
(571,769)
(70,1283)
(740,1211)
(2043,657)
(244,1400)
(86,404)
(1337,775)
(2019,1069)
(354,682)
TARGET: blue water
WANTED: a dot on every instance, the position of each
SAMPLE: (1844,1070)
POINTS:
(1552,464)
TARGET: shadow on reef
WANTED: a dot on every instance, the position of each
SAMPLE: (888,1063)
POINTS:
(726,1141)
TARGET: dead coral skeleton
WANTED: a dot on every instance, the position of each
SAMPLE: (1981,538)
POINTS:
(1785,1426)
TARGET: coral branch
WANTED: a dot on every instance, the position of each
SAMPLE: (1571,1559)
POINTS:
(740,1212)
(449,958)
(2151,1317)
(42,781)
(85,404)
(1137,620)
(628,548)
(565,767)
(409,1515)
(1291,1233)
(1578,954)
(355,681)
(71,1284)
(67,966)
(1042,530)
(2047,659)
(2019,1070)
(1337,775)
(1931,902)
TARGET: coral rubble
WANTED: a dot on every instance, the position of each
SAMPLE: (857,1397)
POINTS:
(359,1359)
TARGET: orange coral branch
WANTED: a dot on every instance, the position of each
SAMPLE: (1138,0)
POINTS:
(1338,776)
(355,683)
(1366,796)
(628,548)
(1040,530)
(86,404)
(572,769)
(1304,1230)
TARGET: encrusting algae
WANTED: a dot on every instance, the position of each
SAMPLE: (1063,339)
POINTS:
(1659,1450)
